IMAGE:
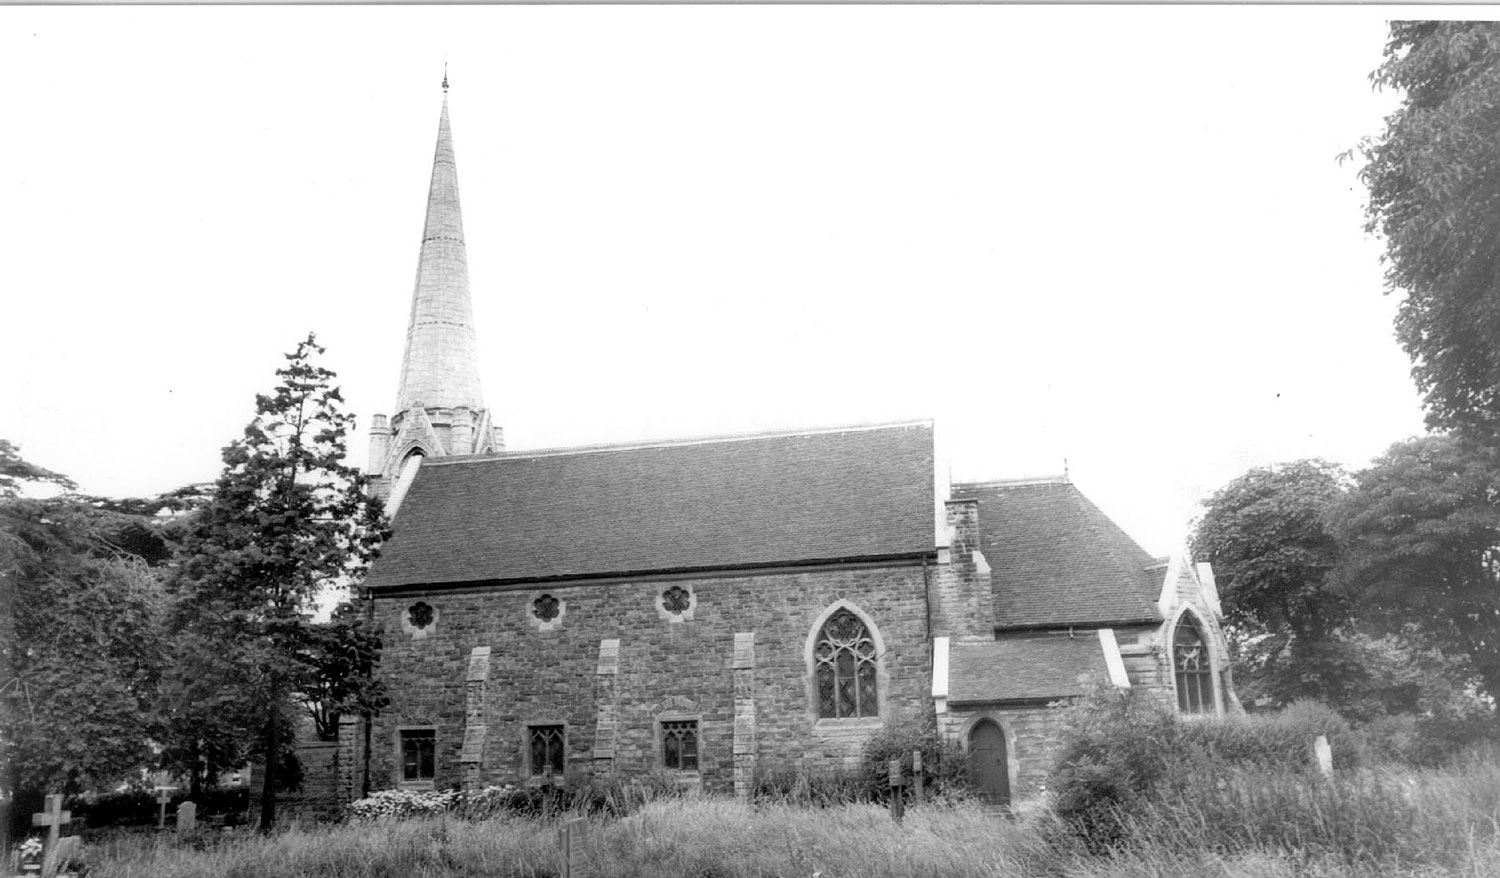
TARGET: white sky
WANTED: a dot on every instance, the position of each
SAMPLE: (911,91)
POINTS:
(1115,235)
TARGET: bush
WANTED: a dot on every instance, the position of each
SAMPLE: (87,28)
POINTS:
(1118,752)
(1277,740)
(945,766)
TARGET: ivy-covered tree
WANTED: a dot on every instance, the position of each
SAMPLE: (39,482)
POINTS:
(1422,534)
(287,519)
(1434,182)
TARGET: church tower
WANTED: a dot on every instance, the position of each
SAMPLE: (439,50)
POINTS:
(439,404)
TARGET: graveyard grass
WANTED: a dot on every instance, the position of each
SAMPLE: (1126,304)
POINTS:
(1369,823)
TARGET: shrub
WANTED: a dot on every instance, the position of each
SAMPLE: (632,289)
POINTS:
(1276,740)
(944,765)
(1118,751)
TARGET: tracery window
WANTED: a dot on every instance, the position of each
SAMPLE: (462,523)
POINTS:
(546,750)
(420,615)
(1194,671)
(545,608)
(676,600)
(418,748)
(679,744)
(844,658)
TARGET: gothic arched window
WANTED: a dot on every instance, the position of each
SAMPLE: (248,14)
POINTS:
(844,666)
(1191,665)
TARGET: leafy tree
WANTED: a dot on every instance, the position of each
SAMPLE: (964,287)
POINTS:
(287,519)
(1422,529)
(1270,541)
(1434,183)
(78,629)
(16,471)
(337,664)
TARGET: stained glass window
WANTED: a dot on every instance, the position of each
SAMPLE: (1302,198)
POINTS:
(844,660)
(679,745)
(1190,662)
(546,750)
(417,749)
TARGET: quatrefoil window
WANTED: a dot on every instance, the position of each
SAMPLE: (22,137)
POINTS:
(676,600)
(545,608)
(419,615)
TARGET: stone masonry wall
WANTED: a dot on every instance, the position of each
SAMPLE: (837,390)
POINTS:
(555,673)
(1033,737)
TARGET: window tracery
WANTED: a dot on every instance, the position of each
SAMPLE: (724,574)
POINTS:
(1192,667)
(845,669)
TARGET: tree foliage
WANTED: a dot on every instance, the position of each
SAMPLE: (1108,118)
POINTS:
(16,471)
(1422,530)
(1269,539)
(287,520)
(1434,183)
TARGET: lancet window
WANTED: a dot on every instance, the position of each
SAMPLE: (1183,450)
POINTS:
(1191,665)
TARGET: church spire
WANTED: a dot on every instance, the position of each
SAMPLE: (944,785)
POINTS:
(439,404)
(441,368)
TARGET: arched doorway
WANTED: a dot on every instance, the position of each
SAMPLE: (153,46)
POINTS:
(989,762)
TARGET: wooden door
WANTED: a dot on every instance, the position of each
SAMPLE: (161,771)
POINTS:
(988,761)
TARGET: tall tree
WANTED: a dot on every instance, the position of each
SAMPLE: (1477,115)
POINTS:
(79,661)
(288,518)
(1268,535)
(1434,182)
(1422,530)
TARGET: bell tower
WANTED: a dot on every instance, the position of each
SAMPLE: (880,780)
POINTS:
(439,403)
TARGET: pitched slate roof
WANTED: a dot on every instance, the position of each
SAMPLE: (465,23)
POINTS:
(1057,560)
(849,493)
(1026,668)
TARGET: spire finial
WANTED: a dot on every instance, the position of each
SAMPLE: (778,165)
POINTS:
(445,77)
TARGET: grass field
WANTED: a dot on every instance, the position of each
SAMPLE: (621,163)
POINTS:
(1370,823)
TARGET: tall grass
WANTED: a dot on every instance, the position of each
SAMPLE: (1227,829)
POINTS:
(1263,824)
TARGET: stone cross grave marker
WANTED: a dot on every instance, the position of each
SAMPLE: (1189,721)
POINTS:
(187,818)
(52,817)
(163,796)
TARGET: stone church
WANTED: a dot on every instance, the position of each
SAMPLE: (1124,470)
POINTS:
(716,608)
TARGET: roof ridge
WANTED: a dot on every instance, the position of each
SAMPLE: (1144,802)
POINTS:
(640,445)
(1018,482)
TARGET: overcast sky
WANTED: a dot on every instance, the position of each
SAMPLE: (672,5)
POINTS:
(1113,235)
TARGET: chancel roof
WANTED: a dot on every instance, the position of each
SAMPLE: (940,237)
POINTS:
(1034,667)
(1057,560)
(858,493)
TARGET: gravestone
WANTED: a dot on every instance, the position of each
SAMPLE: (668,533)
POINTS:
(898,804)
(187,818)
(163,796)
(919,788)
(52,817)
(567,835)
(1324,754)
(69,852)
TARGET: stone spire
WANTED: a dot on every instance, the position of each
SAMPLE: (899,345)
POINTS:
(441,366)
(439,404)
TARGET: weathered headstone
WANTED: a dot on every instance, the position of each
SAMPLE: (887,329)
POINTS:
(69,852)
(898,804)
(1324,754)
(163,796)
(570,833)
(187,818)
(52,817)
